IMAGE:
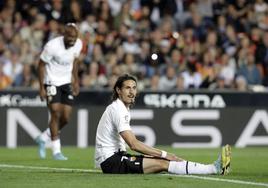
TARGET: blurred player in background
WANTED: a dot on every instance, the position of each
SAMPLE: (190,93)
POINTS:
(114,131)
(59,84)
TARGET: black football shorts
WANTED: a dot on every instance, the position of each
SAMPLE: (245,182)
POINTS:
(60,94)
(123,163)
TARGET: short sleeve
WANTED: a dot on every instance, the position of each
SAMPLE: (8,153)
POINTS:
(122,122)
(47,53)
(78,48)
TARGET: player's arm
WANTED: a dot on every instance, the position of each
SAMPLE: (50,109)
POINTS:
(75,81)
(41,74)
(140,147)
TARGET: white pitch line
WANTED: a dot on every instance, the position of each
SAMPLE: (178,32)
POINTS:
(47,168)
(94,170)
(220,179)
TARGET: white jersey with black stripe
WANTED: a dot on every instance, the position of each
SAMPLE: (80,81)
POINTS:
(59,61)
(114,120)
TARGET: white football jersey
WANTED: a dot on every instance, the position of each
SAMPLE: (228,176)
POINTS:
(114,120)
(59,61)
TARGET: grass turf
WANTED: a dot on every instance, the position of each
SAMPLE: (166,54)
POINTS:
(248,165)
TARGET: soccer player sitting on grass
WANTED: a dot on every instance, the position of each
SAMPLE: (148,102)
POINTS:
(114,131)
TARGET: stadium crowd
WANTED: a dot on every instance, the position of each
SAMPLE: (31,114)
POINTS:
(169,45)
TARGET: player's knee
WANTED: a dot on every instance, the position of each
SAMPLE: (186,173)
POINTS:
(55,115)
(64,120)
(163,165)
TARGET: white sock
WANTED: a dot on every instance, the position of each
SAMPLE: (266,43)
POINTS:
(46,135)
(188,167)
(56,146)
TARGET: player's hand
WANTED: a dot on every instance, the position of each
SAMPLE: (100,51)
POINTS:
(75,88)
(42,93)
(173,157)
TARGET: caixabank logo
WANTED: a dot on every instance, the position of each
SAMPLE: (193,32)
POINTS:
(18,100)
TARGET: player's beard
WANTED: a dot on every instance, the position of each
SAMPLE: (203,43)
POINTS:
(132,101)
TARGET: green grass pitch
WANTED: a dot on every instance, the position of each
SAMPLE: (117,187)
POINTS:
(21,168)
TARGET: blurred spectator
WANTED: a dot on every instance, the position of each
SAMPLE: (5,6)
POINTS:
(115,6)
(104,13)
(93,79)
(130,45)
(191,78)
(180,83)
(196,23)
(5,81)
(221,29)
(129,65)
(154,83)
(250,71)
(176,60)
(241,84)
(262,56)
(12,67)
(27,55)
(112,81)
(182,12)
(207,69)
(260,8)
(219,8)
(98,57)
(168,80)
(53,30)
(219,84)
(228,69)
(25,78)
(230,43)
(124,17)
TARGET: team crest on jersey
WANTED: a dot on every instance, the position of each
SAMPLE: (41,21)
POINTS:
(126,118)
(70,97)
(132,158)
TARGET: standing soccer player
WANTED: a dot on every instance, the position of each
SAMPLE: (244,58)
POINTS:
(114,131)
(59,84)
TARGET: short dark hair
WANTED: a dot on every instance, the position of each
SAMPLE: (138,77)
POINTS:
(119,84)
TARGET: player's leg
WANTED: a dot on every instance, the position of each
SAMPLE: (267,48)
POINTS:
(189,167)
(56,111)
(220,166)
(51,133)
(65,115)
(67,100)
(225,159)
(154,165)
(53,97)
(41,140)
(55,114)
(45,136)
